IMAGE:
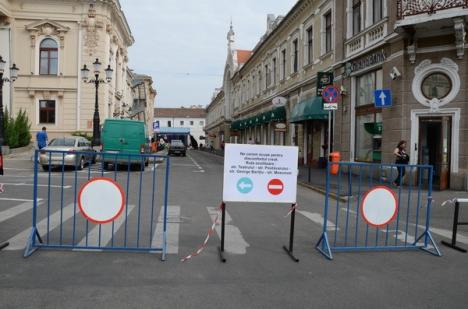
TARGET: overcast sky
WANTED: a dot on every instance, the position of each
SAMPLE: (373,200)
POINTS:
(183,46)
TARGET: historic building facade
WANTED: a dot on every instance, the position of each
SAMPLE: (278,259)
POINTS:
(416,49)
(50,41)
(284,64)
(192,118)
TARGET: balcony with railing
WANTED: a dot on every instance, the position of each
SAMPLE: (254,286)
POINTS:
(367,38)
(430,8)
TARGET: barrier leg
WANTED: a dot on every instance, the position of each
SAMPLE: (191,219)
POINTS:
(223,223)
(3,245)
(289,250)
(31,244)
(427,234)
(453,243)
(323,246)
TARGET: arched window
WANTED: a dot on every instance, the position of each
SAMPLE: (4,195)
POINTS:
(48,57)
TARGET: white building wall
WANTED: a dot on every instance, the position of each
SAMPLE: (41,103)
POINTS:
(196,129)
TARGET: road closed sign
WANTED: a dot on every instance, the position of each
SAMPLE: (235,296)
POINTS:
(259,173)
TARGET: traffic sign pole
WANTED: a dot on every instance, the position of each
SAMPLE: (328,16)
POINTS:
(329,135)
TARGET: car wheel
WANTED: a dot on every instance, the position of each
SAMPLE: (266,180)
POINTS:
(45,168)
(81,164)
(184,154)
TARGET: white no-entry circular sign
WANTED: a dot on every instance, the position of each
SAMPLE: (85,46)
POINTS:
(101,200)
(379,206)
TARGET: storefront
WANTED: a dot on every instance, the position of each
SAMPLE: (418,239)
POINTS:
(310,123)
(260,128)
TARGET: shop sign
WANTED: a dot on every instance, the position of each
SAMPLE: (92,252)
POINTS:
(324,79)
(280,127)
(365,62)
(279,101)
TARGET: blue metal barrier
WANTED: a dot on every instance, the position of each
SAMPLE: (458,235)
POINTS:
(58,224)
(345,229)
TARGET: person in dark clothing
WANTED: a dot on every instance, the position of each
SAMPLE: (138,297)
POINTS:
(401,157)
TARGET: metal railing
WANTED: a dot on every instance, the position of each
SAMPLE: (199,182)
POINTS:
(415,7)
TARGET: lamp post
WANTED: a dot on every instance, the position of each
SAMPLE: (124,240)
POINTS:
(13,76)
(96,81)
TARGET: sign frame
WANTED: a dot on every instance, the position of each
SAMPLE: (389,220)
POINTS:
(261,164)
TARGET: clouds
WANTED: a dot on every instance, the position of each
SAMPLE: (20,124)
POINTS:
(173,38)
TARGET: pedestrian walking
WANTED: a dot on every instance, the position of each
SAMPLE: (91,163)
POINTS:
(401,157)
(42,138)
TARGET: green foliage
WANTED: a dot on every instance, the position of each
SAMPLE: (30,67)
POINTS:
(17,130)
(89,137)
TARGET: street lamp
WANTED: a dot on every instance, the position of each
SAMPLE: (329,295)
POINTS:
(96,81)
(13,76)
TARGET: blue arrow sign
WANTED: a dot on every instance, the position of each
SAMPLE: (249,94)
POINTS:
(383,98)
(244,185)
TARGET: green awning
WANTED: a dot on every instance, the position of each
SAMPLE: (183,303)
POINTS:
(236,125)
(276,114)
(311,109)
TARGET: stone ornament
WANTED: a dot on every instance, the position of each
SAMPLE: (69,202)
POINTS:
(426,68)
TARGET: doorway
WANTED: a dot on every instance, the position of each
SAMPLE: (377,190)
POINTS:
(435,142)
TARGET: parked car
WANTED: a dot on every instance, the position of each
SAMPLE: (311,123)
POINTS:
(123,140)
(77,153)
(177,147)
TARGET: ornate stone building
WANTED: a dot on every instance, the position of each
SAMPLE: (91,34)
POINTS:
(415,49)
(50,41)
(284,63)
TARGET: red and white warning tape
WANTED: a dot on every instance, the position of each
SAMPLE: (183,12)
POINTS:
(2,188)
(210,232)
(293,207)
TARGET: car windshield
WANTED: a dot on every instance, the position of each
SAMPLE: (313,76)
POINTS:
(177,142)
(67,142)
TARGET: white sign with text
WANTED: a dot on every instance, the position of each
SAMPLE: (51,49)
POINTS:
(260,173)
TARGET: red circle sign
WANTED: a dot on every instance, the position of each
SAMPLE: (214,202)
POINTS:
(379,206)
(101,200)
(275,187)
(330,94)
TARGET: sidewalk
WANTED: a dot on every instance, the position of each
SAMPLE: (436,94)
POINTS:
(315,179)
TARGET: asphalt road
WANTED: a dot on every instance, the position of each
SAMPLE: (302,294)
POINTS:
(258,273)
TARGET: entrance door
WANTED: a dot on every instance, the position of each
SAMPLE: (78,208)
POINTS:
(434,148)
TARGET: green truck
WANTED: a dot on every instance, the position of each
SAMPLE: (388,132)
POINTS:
(123,141)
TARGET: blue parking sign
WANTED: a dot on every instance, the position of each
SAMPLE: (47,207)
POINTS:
(155,125)
(383,98)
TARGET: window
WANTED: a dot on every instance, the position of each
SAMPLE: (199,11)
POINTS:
(436,85)
(48,53)
(191,123)
(283,64)
(267,76)
(328,32)
(309,46)
(368,137)
(259,82)
(181,122)
(202,123)
(295,56)
(356,17)
(274,72)
(47,111)
(169,123)
(377,10)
